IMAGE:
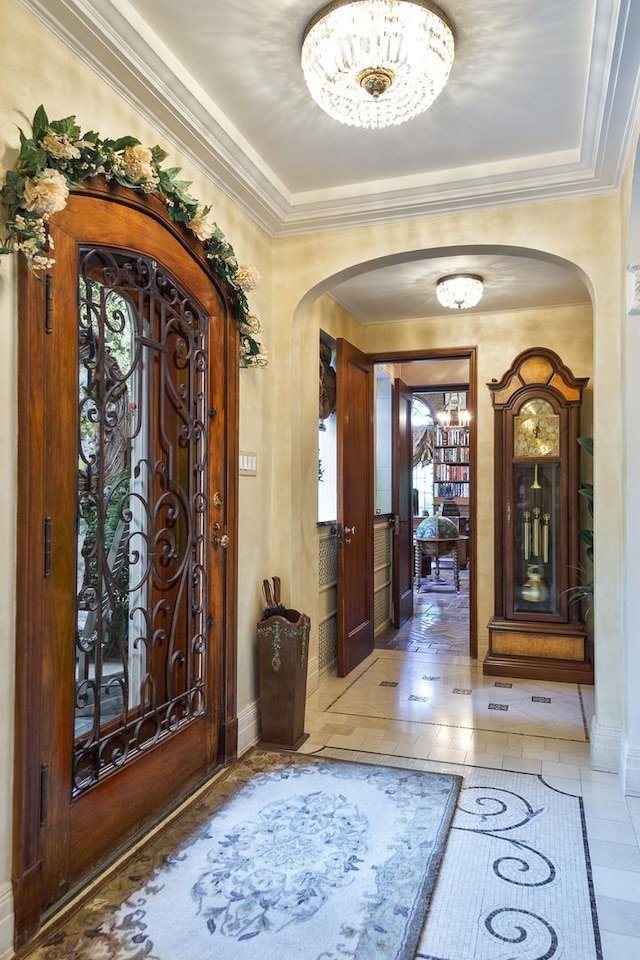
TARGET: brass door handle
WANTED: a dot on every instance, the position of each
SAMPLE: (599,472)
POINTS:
(222,541)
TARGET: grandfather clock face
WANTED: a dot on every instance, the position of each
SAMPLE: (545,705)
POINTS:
(536,430)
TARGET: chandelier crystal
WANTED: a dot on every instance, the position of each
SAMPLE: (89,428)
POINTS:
(459,291)
(375,63)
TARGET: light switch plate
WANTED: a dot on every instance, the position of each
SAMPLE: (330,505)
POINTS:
(248,464)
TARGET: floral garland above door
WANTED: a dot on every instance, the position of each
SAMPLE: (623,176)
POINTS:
(58,156)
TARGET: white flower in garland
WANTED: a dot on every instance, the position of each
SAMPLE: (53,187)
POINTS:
(59,146)
(136,162)
(46,194)
(246,278)
(35,241)
(251,324)
(200,225)
(57,155)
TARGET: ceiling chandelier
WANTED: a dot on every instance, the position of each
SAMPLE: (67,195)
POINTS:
(374,63)
(459,291)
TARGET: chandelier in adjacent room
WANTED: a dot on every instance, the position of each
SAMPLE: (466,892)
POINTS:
(459,291)
(374,63)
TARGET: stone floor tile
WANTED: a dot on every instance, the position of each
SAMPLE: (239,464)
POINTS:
(443,753)
(599,829)
(522,764)
(607,810)
(541,753)
(564,784)
(618,884)
(622,856)
(478,758)
(616,946)
(376,745)
(350,741)
(565,770)
(619,916)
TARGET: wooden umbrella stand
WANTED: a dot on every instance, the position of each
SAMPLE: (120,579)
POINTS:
(283,653)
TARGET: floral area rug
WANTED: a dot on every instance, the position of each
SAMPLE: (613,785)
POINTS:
(286,857)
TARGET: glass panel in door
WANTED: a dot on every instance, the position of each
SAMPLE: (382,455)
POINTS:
(141,510)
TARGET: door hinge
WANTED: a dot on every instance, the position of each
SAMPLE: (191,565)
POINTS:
(44,792)
(47,546)
(48,304)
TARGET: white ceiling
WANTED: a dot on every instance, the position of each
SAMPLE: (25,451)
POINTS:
(541,103)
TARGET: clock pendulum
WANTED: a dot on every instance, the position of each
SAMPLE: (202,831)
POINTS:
(536,531)
(545,537)
(535,548)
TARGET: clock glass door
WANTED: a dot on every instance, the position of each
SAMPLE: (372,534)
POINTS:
(535,545)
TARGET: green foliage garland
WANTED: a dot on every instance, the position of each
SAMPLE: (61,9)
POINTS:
(58,156)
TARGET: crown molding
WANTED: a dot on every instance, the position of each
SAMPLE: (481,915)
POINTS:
(143,71)
(121,48)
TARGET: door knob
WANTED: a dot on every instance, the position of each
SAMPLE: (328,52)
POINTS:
(350,530)
(222,541)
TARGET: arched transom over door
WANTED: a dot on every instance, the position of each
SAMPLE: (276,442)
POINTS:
(126,653)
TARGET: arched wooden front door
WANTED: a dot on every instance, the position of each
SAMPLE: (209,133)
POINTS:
(126,627)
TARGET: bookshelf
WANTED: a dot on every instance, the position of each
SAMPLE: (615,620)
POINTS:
(451,464)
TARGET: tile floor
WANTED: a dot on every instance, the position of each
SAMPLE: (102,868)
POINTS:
(418,696)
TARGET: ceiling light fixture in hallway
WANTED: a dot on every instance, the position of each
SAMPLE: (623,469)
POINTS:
(375,63)
(460,291)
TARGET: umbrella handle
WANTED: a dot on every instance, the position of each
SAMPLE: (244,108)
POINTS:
(266,589)
(276,590)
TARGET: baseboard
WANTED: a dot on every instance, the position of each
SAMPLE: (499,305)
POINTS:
(6,921)
(330,670)
(630,770)
(248,727)
(605,747)
(313,678)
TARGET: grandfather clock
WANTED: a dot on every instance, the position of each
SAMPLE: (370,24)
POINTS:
(536,632)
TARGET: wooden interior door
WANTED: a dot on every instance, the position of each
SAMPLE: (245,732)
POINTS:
(126,659)
(354,408)
(402,504)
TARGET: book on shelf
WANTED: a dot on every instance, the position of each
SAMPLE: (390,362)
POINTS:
(451,490)
(447,472)
(452,436)
(451,455)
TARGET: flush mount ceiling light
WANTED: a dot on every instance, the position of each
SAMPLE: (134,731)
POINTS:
(374,63)
(459,291)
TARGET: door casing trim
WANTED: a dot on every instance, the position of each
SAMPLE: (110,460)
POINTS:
(456,353)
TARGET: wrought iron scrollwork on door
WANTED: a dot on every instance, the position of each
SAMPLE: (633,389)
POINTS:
(141,510)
